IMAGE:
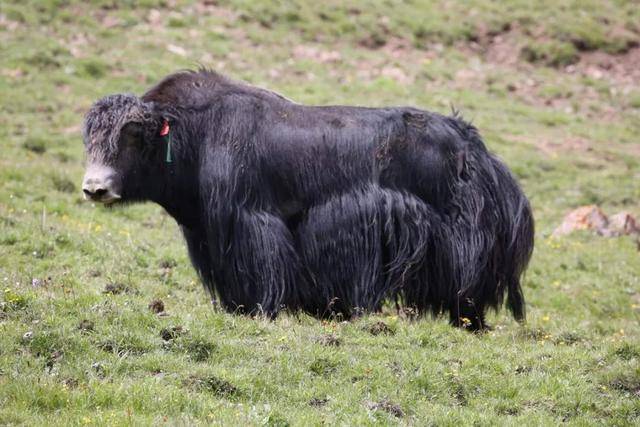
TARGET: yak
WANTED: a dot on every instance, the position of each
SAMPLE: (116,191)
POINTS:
(330,210)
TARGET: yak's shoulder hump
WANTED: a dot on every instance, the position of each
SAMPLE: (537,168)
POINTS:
(194,88)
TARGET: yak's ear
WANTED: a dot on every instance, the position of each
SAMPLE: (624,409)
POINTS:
(144,123)
(132,133)
(158,121)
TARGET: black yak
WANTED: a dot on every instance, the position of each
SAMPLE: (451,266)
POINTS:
(332,210)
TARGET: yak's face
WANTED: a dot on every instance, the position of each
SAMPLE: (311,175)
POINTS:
(119,131)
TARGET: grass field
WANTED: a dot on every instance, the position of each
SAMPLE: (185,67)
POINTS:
(554,86)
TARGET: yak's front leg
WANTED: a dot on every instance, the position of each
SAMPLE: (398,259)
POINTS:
(200,256)
(258,267)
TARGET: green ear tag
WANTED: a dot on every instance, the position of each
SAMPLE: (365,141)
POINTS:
(168,159)
(165,132)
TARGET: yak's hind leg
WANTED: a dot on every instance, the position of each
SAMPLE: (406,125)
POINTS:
(368,245)
(259,267)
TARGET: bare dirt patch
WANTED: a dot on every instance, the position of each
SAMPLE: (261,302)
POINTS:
(503,52)
(316,53)
(551,147)
(622,70)
(504,49)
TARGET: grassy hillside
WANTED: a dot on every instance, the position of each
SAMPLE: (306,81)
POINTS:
(554,87)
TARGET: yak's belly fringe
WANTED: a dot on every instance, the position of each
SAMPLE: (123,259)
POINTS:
(354,251)
(371,244)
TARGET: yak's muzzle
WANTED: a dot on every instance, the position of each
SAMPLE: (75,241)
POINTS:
(100,184)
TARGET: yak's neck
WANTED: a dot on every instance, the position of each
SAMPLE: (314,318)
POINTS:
(180,193)
(181,197)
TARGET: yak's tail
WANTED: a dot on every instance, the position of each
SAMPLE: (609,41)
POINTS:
(515,238)
(493,235)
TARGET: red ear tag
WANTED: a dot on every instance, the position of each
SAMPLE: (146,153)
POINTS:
(165,128)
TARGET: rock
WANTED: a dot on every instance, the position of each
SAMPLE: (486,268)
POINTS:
(624,224)
(591,217)
(154,17)
(588,217)
(177,50)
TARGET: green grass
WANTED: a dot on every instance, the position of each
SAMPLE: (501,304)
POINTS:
(79,343)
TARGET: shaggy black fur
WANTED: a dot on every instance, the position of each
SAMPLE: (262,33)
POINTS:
(330,210)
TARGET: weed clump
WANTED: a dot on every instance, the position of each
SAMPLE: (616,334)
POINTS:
(86,325)
(330,340)
(569,338)
(93,68)
(627,383)
(212,384)
(35,145)
(627,351)
(156,306)
(589,36)
(12,300)
(323,366)
(318,401)
(117,289)
(554,54)
(169,334)
(63,184)
(45,343)
(176,339)
(276,420)
(387,406)
(200,350)
(125,344)
(168,263)
(379,328)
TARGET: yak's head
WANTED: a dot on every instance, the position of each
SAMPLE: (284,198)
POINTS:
(123,148)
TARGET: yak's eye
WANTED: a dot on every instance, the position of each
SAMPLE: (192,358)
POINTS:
(131,134)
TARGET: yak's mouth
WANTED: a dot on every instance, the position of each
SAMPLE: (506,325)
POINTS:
(102,196)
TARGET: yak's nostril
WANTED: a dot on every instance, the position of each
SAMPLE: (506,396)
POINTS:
(95,193)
